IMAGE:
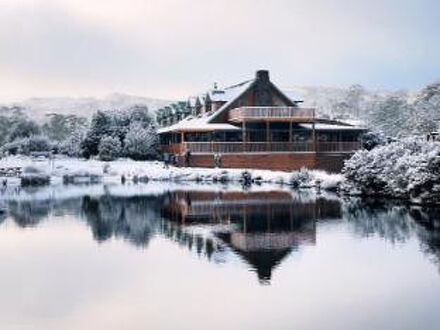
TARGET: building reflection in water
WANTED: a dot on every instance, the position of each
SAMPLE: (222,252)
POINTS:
(263,228)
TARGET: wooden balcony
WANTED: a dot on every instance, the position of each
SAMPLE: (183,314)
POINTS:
(287,114)
(250,147)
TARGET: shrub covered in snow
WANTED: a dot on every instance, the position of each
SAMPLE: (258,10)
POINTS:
(408,169)
(141,143)
(301,178)
(109,148)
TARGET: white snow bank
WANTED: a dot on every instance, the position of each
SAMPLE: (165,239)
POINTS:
(156,171)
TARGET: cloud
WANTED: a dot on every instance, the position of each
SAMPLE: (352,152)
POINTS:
(170,48)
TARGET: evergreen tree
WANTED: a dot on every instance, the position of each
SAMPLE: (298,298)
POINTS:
(141,143)
(100,126)
(109,148)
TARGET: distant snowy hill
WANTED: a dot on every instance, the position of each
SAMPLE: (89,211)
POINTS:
(37,108)
(327,100)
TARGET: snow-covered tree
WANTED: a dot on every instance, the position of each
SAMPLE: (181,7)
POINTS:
(72,145)
(116,124)
(35,143)
(426,113)
(141,142)
(408,168)
(100,126)
(355,99)
(23,128)
(109,148)
(391,116)
(5,126)
(59,127)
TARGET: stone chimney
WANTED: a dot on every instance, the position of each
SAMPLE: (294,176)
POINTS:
(262,75)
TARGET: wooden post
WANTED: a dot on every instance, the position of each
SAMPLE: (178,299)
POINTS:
(290,131)
(314,132)
(244,136)
(267,136)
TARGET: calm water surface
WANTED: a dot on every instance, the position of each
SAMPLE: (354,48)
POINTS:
(214,258)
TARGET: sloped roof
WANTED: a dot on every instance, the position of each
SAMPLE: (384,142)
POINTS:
(234,92)
(197,124)
(231,94)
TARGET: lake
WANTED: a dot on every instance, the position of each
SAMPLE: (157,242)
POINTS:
(214,257)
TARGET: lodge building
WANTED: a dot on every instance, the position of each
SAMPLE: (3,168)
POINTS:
(253,124)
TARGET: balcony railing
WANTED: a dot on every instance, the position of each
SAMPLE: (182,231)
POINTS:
(272,113)
(241,147)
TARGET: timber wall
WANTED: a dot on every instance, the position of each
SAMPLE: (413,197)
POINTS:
(270,161)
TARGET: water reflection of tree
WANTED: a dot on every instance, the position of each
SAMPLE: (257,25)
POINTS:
(388,221)
(428,231)
(29,213)
(397,223)
(132,218)
(3,216)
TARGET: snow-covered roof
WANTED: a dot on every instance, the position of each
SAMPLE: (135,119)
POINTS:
(199,124)
(231,94)
(329,127)
(227,95)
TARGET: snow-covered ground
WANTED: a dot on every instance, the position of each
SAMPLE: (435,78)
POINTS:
(156,171)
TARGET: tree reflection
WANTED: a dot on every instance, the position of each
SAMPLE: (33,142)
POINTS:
(132,218)
(388,221)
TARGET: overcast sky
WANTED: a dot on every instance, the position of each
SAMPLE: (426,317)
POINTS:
(172,48)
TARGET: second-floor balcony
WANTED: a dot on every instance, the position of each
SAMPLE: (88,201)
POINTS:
(289,114)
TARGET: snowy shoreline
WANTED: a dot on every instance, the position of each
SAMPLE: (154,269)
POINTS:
(134,171)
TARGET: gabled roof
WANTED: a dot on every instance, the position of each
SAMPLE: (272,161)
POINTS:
(237,91)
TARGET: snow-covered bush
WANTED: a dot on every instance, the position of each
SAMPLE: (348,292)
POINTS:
(141,142)
(109,148)
(409,168)
(301,178)
(246,178)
